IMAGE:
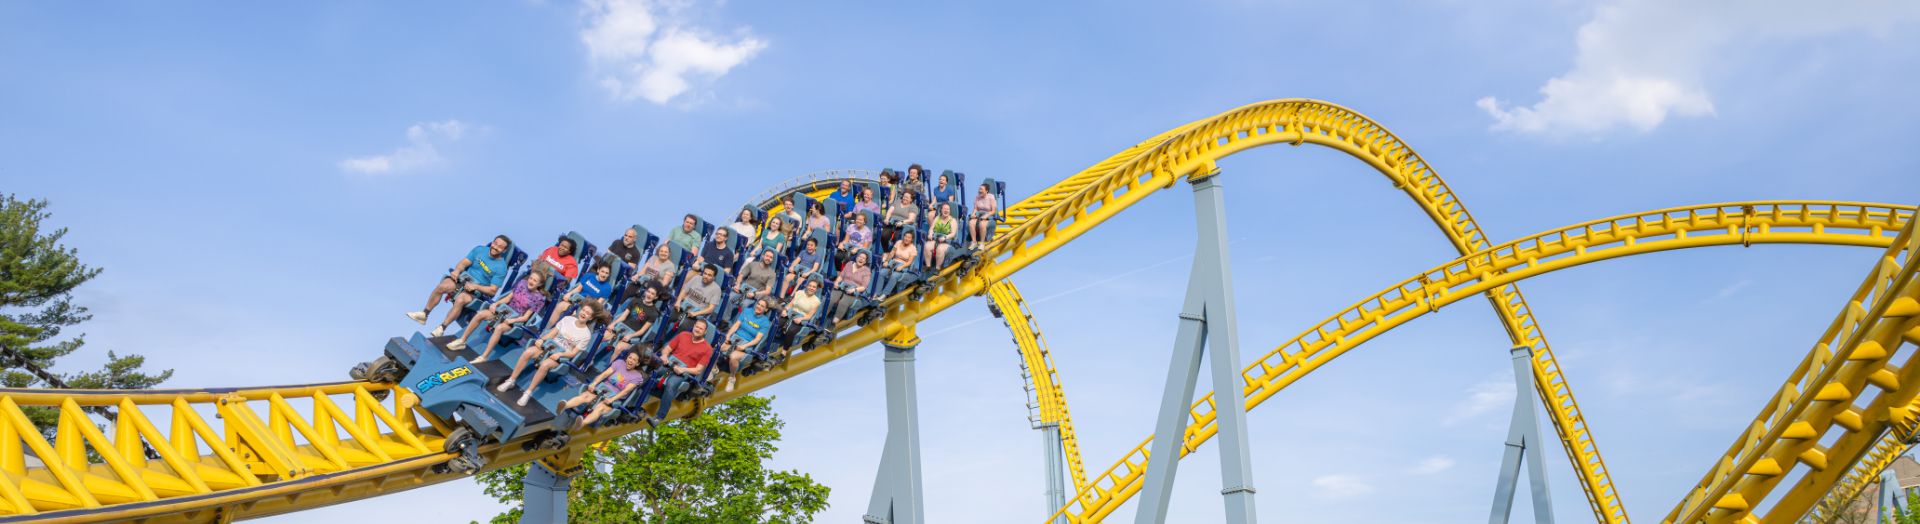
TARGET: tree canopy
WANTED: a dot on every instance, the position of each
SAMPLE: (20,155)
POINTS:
(710,468)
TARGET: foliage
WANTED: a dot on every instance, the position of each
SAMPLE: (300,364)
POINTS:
(37,279)
(710,468)
(1909,516)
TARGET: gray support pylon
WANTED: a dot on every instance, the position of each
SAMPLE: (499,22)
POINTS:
(896,488)
(1207,321)
(1523,437)
(1892,500)
(1056,469)
(543,495)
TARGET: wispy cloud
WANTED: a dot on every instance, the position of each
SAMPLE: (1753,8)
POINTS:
(1341,486)
(421,151)
(647,49)
(1432,465)
(1640,61)
(1732,289)
(1482,397)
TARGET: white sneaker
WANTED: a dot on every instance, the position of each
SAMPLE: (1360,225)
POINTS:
(418,316)
(730,383)
(437,331)
(504,386)
(523,401)
(457,344)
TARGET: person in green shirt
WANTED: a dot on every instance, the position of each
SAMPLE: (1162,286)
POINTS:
(688,236)
(940,236)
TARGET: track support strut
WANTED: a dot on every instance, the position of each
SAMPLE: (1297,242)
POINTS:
(543,494)
(1523,437)
(896,488)
(1207,321)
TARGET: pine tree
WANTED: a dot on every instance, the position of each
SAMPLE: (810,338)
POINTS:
(37,279)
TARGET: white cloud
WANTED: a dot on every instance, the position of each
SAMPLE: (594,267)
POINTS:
(1484,396)
(651,49)
(1341,486)
(421,151)
(1641,61)
(1432,465)
(1732,289)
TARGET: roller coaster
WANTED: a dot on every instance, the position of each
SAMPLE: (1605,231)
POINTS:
(1848,408)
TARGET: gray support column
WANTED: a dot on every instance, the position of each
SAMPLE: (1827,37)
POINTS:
(896,488)
(1206,319)
(1523,438)
(1056,469)
(543,495)
(1892,501)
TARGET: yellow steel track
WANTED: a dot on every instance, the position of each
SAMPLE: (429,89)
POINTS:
(308,451)
(1745,223)
(1048,394)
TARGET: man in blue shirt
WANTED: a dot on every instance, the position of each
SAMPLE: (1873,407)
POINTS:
(478,275)
(747,332)
(844,195)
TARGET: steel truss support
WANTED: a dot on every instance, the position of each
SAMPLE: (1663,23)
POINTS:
(896,488)
(1523,436)
(1056,468)
(1206,322)
(543,493)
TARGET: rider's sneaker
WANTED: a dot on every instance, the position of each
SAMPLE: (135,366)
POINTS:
(730,381)
(437,331)
(418,316)
(523,400)
(504,386)
(457,344)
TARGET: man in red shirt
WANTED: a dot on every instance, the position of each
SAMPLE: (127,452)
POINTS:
(684,357)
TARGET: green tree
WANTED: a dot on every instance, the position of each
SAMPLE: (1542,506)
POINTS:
(37,279)
(710,468)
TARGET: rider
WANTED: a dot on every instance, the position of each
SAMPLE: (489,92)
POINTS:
(639,317)
(751,328)
(686,237)
(986,209)
(522,301)
(594,288)
(571,337)
(619,381)
(698,298)
(560,256)
(756,279)
(477,276)
(684,357)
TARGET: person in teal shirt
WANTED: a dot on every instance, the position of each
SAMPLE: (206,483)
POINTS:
(478,275)
(688,235)
(747,332)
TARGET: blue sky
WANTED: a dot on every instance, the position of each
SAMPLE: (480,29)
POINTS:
(269,187)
